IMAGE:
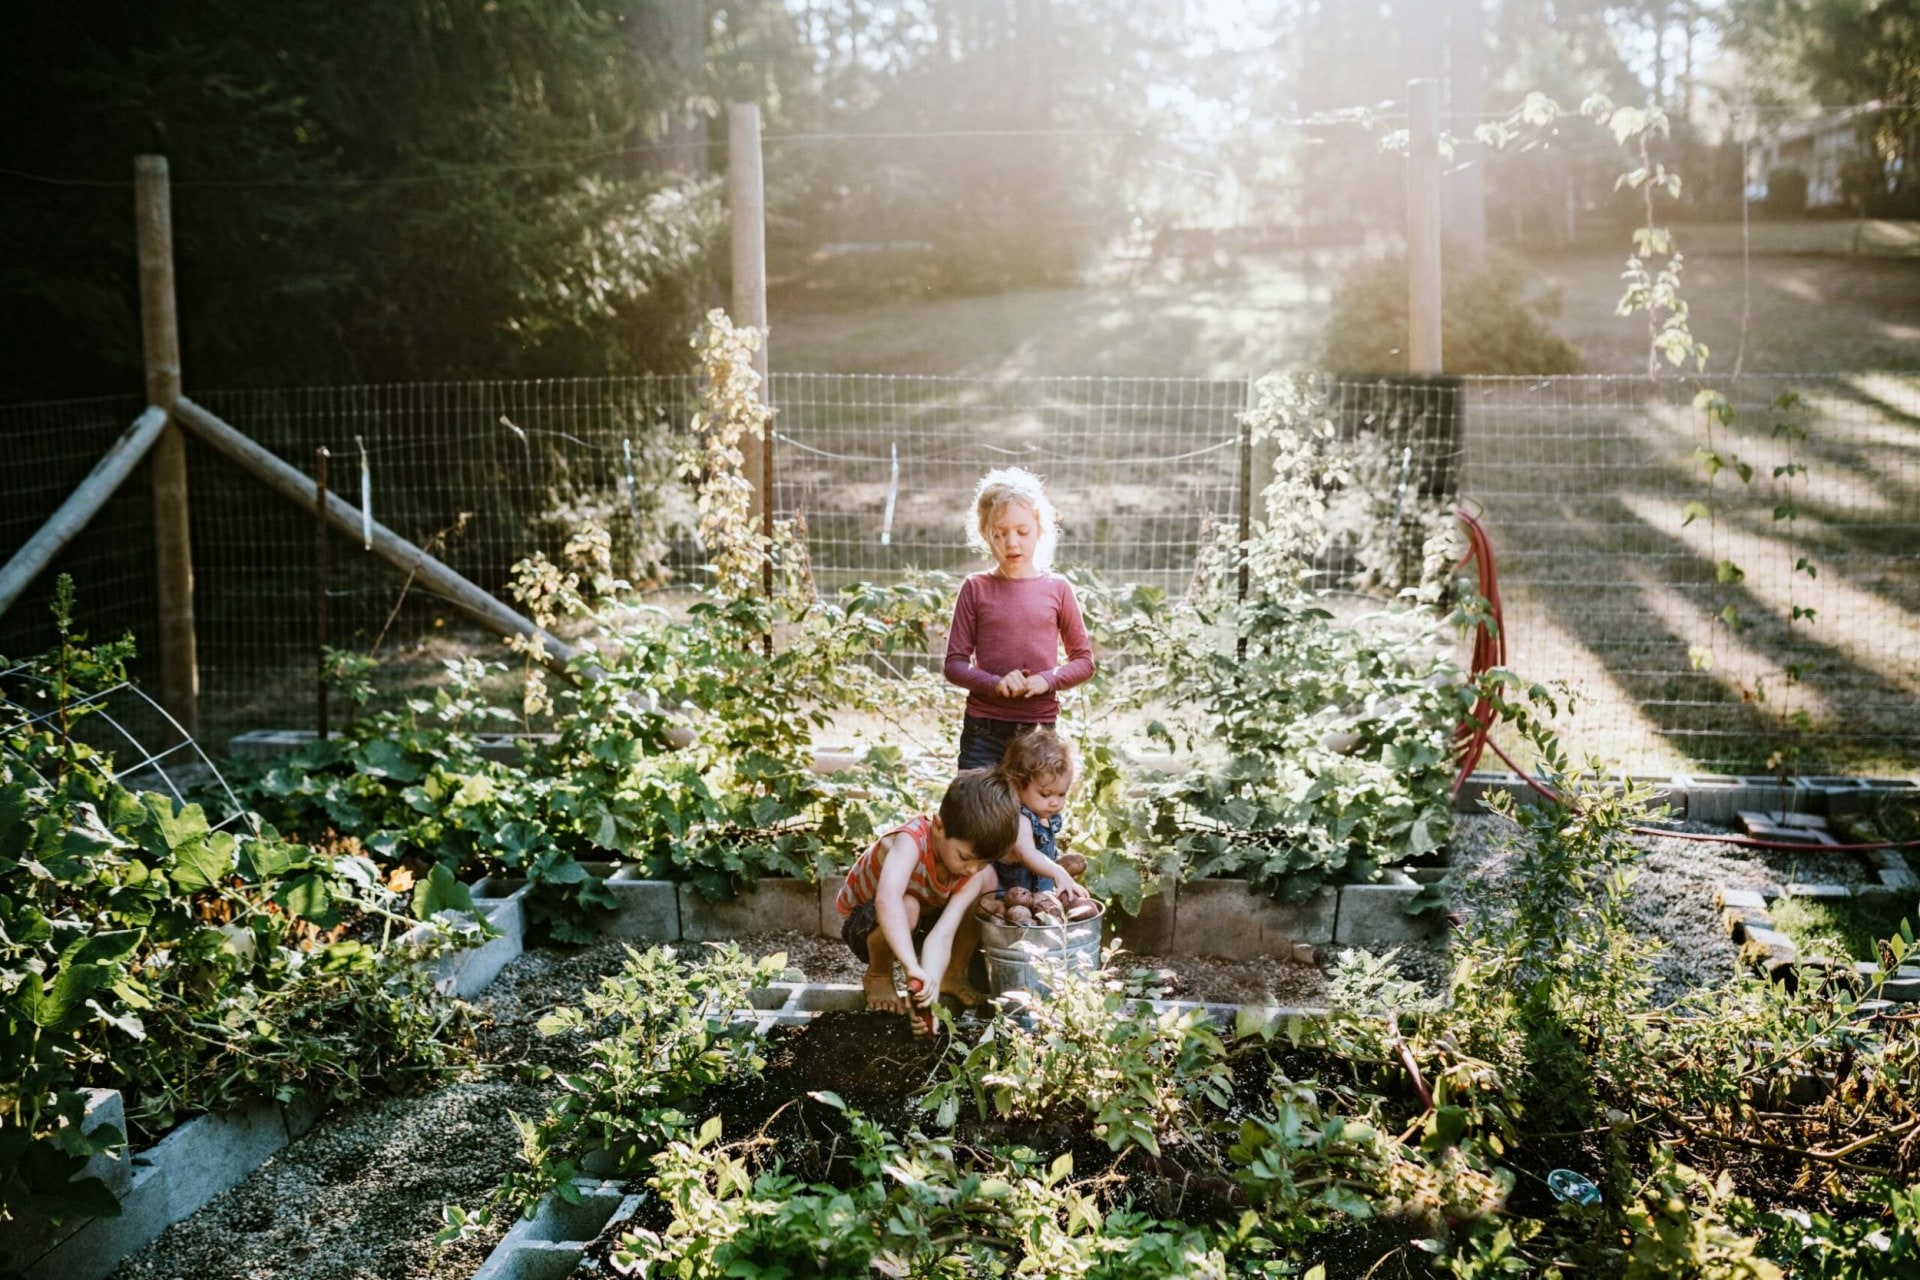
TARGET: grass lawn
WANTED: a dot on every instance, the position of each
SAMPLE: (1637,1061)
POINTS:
(1850,930)
(1265,313)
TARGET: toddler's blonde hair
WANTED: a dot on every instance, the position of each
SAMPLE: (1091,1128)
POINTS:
(1000,489)
(1039,754)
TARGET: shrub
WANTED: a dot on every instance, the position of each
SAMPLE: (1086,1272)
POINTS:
(1786,193)
(191,968)
(1495,318)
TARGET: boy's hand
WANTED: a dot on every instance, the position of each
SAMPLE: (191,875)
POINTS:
(1036,685)
(920,989)
(1012,685)
(1070,891)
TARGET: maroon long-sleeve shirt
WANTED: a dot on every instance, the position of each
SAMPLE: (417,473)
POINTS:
(1016,624)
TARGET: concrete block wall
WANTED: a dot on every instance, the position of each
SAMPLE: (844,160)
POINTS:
(1745,912)
(190,1166)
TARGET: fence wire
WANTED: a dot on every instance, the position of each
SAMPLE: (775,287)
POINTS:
(1664,598)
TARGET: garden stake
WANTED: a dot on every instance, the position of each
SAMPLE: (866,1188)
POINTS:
(320,456)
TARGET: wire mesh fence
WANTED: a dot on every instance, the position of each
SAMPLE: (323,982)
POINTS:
(1718,595)
(1705,622)
(882,468)
(50,448)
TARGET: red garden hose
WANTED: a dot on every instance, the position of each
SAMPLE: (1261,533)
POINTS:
(1472,735)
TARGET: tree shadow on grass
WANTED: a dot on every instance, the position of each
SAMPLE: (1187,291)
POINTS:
(1694,711)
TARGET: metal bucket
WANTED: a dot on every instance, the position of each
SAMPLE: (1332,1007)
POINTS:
(1019,958)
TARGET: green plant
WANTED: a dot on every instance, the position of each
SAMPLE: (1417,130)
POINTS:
(191,968)
(654,1036)
(1325,748)
(1089,1052)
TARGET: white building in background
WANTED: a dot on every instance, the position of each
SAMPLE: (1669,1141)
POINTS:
(1818,147)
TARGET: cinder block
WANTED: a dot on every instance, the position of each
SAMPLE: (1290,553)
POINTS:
(1899,878)
(300,1116)
(211,1153)
(1226,918)
(508,748)
(1822,892)
(28,1236)
(824,997)
(1669,793)
(830,917)
(1828,794)
(648,909)
(1718,798)
(1768,949)
(771,904)
(1481,783)
(264,744)
(1788,835)
(1745,899)
(1378,913)
(549,1245)
(97,1247)
(1903,985)
(470,970)
(776,998)
(1151,930)
(1739,920)
(834,760)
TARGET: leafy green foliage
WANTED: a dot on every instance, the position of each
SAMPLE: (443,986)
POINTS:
(653,1036)
(191,968)
(425,192)
(1322,750)
(1088,1052)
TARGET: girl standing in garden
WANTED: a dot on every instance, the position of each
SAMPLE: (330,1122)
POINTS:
(1011,624)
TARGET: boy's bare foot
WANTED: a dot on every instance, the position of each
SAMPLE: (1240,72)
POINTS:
(881,996)
(968,995)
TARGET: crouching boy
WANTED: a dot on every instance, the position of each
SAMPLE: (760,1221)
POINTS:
(909,898)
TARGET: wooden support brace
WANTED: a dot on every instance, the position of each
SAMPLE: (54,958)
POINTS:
(81,505)
(403,555)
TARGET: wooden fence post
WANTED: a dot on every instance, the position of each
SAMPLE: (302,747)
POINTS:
(747,204)
(1423,226)
(173,546)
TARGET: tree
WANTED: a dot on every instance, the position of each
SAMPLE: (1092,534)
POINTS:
(1846,52)
(378,191)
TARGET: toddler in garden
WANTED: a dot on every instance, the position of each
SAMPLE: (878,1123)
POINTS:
(909,898)
(1039,769)
(1010,624)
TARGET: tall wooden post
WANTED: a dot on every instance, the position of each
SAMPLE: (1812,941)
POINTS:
(1423,226)
(1466,99)
(173,547)
(746,199)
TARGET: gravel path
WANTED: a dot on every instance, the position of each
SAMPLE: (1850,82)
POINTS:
(359,1197)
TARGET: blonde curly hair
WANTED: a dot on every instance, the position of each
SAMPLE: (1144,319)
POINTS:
(1002,488)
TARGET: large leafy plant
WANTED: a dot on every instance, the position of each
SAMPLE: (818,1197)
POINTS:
(191,968)
(1322,747)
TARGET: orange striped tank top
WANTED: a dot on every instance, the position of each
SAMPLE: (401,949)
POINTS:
(931,883)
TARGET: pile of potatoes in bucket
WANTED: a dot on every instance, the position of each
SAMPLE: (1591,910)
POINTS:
(1027,908)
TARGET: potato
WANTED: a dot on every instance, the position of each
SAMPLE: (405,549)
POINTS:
(989,908)
(1047,902)
(1020,916)
(1085,909)
(1019,896)
(1073,864)
(1050,919)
